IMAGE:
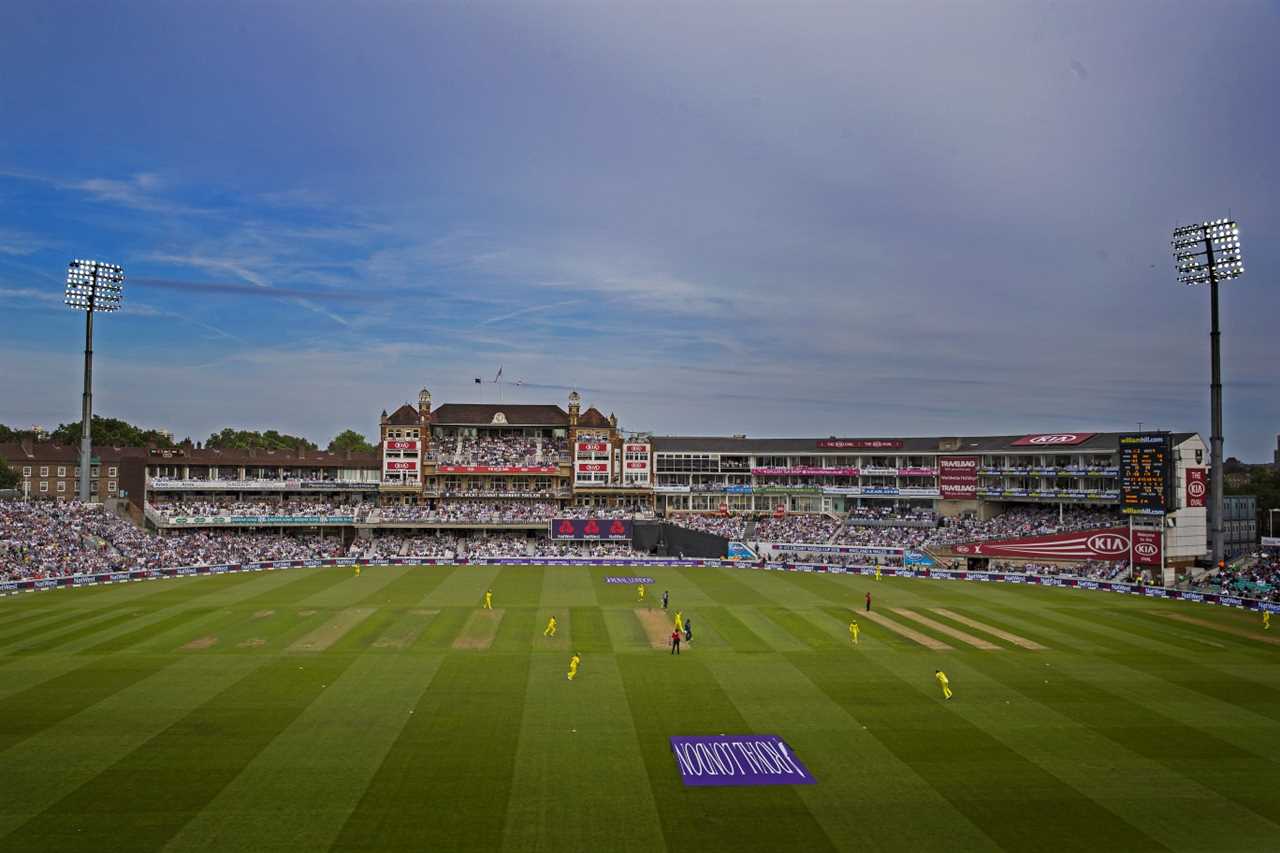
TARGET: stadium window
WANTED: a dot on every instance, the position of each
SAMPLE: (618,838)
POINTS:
(62,470)
(111,487)
(62,485)
(44,485)
(26,471)
(44,470)
(111,472)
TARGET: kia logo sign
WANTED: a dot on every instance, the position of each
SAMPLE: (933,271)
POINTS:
(1107,543)
(1146,549)
(1053,439)
(1196,488)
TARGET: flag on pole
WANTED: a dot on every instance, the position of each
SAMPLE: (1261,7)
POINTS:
(478,382)
(499,376)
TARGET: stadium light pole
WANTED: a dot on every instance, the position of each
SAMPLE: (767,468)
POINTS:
(92,286)
(1209,253)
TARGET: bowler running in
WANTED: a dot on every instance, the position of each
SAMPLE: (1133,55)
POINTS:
(942,679)
(550,630)
(573,665)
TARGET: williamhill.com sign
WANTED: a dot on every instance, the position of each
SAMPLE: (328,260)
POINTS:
(738,760)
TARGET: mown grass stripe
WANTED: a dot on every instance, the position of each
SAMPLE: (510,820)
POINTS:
(566,792)
(145,798)
(865,798)
(947,751)
(148,631)
(1194,753)
(455,753)
(305,807)
(589,631)
(52,627)
(50,642)
(42,705)
(444,628)
(679,696)
(722,588)
(732,631)
(800,628)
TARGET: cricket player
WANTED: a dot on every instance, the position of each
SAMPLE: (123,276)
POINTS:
(357,571)
(877,573)
(488,599)
(688,630)
(664,599)
(573,665)
(675,642)
(868,602)
(942,679)
(1266,620)
(854,631)
(640,591)
(550,630)
(679,621)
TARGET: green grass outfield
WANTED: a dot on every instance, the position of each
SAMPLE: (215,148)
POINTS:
(314,710)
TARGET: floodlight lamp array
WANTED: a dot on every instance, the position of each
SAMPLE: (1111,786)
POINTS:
(1208,252)
(94,285)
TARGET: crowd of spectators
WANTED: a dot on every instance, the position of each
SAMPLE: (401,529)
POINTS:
(471,512)
(510,450)
(604,512)
(728,526)
(1260,579)
(324,509)
(47,539)
(812,529)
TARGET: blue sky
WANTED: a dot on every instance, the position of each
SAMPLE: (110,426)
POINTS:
(778,219)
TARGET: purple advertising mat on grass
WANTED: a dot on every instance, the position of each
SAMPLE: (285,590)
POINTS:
(738,760)
(629,579)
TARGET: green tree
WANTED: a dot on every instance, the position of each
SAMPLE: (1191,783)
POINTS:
(350,440)
(8,477)
(244,439)
(112,431)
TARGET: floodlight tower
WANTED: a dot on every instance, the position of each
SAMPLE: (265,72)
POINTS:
(92,286)
(1207,254)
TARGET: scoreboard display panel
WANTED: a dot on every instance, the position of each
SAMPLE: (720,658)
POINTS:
(1146,474)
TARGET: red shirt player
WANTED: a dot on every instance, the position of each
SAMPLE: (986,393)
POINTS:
(675,642)
(868,602)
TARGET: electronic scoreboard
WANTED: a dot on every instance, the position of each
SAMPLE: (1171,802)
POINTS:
(1146,473)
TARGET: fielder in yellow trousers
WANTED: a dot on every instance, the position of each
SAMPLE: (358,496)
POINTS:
(942,679)
(1266,620)
(488,599)
(357,571)
(854,630)
(640,591)
(550,630)
(573,665)
(680,621)
(877,573)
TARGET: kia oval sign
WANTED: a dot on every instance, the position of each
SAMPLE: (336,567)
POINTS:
(1146,549)
(1108,543)
(1054,439)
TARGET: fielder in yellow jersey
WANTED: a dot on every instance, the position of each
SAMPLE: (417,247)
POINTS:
(854,631)
(1266,620)
(357,571)
(942,679)
(680,620)
(550,630)
(877,573)
(640,591)
(488,599)
(573,665)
